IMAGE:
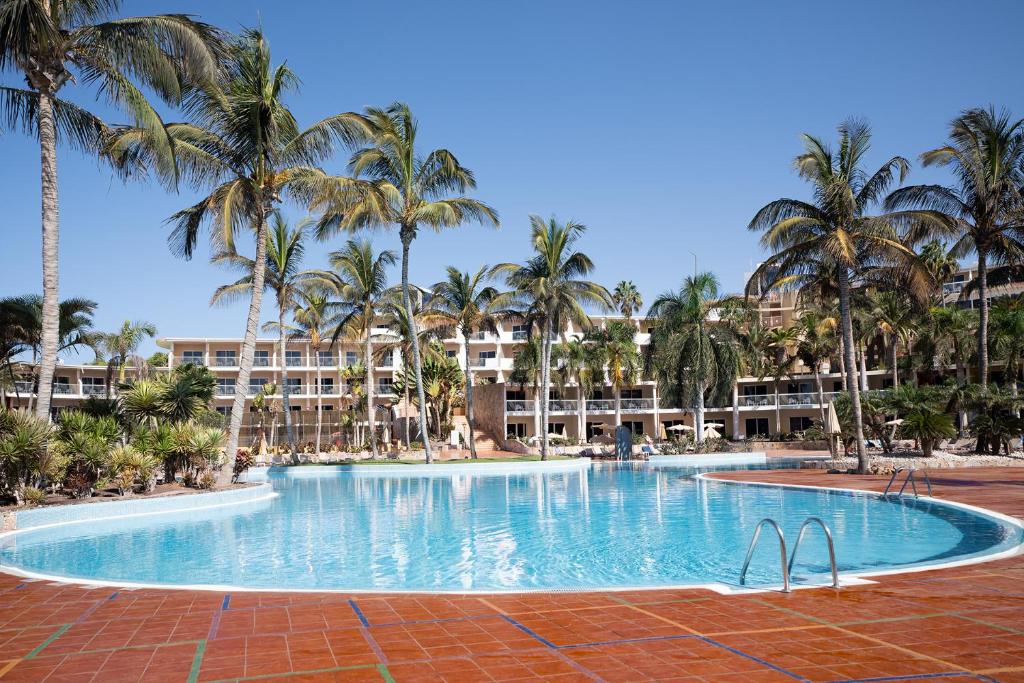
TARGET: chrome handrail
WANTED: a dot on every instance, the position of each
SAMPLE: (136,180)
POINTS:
(910,478)
(782,552)
(831,548)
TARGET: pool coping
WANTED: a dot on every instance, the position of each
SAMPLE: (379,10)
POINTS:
(845,578)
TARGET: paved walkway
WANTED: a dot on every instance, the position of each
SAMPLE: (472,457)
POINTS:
(963,624)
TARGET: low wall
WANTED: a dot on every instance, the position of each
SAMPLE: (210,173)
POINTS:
(461,468)
(58,514)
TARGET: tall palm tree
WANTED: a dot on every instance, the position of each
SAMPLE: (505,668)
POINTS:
(626,297)
(779,360)
(615,345)
(311,314)
(892,315)
(1008,338)
(123,344)
(404,332)
(580,363)
(835,233)
(51,43)
(983,210)
(527,370)
(687,355)
(464,303)
(551,289)
(285,250)
(405,189)
(245,144)
(362,285)
(816,344)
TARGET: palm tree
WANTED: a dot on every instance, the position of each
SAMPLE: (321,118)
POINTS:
(892,315)
(1008,338)
(616,348)
(123,344)
(549,286)
(687,355)
(54,42)
(982,211)
(779,361)
(405,189)
(527,369)
(403,331)
(626,298)
(834,234)
(247,146)
(463,302)
(816,344)
(940,265)
(311,314)
(579,362)
(362,283)
(285,249)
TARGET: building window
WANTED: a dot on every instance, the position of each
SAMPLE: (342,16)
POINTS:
(351,358)
(261,359)
(326,407)
(193,357)
(256,384)
(385,385)
(520,332)
(594,429)
(757,426)
(515,395)
(516,430)
(296,409)
(293,358)
(837,385)
(634,427)
(225,386)
(556,428)
(451,353)
(756,390)
(93,386)
(326,385)
(224,410)
(225,359)
(326,357)
(294,385)
(62,385)
(632,393)
(799,424)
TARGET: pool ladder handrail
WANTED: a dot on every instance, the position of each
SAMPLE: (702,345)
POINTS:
(909,478)
(787,566)
(782,552)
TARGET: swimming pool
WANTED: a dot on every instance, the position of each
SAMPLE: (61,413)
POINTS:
(603,526)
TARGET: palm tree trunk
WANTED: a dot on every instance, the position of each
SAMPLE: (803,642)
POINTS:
(618,406)
(408,434)
(983,317)
(469,398)
(581,399)
(698,415)
(319,402)
(735,411)
(406,236)
(778,410)
(51,265)
(545,379)
(368,360)
(821,408)
(842,364)
(893,352)
(259,271)
(847,323)
(863,368)
(282,342)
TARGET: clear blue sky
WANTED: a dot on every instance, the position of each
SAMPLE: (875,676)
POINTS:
(661,125)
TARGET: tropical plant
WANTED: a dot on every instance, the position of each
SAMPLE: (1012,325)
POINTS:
(996,419)
(551,292)
(286,248)
(52,43)
(405,189)
(626,297)
(121,346)
(615,346)
(23,447)
(443,386)
(245,145)
(361,280)
(312,322)
(580,363)
(464,303)
(816,344)
(982,210)
(892,314)
(691,359)
(835,236)
(527,370)
(1007,338)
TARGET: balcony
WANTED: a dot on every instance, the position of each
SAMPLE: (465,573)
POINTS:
(261,362)
(329,390)
(384,389)
(519,335)
(293,361)
(484,363)
(192,360)
(25,387)
(62,389)
(223,389)
(596,405)
(478,336)
(225,361)
(562,405)
(94,390)
(518,406)
(634,405)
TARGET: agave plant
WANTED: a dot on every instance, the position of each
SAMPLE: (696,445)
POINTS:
(23,445)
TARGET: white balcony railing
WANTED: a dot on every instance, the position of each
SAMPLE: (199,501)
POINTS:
(25,387)
(225,361)
(94,390)
(62,388)
(518,406)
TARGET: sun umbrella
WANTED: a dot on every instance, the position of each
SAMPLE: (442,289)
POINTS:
(680,428)
(711,433)
(832,420)
(895,423)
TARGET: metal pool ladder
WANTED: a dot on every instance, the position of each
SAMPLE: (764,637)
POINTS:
(784,565)
(909,478)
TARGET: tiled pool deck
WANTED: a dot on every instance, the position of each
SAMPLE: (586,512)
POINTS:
(958,624)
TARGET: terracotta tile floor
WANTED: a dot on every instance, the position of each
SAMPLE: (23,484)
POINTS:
(960,624)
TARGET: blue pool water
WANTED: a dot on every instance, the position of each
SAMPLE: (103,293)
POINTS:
(606,526)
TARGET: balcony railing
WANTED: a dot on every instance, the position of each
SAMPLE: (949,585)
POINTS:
(25,387)
(384,389)
(519,335)
(261,362)
(518,406)
(478,336)
(192,360)
(481,363)
(807,399)
(94,390)
(293,361)
(225,389)
(636,404)
(562,405)
(599,404)
(62,388)
(329,390)
(225,361)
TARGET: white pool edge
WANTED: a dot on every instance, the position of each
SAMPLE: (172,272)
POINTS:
(845,578)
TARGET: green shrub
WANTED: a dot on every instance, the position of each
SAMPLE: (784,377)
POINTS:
(928,427)
(33,496)
(23,451)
